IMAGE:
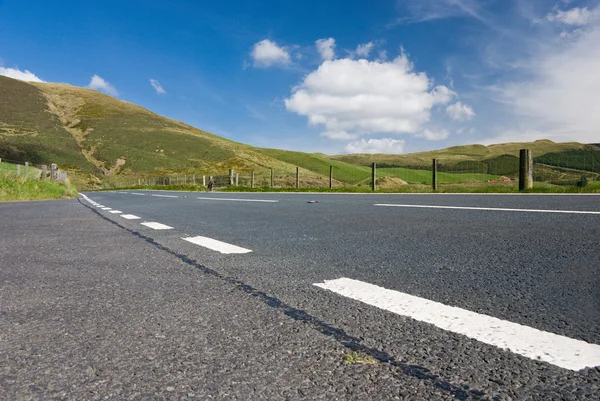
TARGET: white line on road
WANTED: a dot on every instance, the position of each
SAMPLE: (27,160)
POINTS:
(130,216)
(100,206)
(122,192)
(165,196)
(523,340)
(135,193)
(157,226)
(107,208)
(215,245)
(115,211)
(496,209)
(240,200)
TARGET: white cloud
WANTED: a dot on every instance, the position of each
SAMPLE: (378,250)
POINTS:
(339,135)
(359,97)
(460,112)
(385,145)
(99,83)
(267,54)
(326,48)
(157,87)
(574,16)
(561,97)
(15,73)
(435,135)
(363,50)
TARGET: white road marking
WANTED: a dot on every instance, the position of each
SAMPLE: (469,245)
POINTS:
(157,226)
(122,192)
(115,211)
(101,206)
(165,196)
(215,245)
(107,208)
(523,340)
(135,193)
(240,200)
(130,216)
(490,209)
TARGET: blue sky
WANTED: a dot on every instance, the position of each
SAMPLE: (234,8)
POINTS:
(327,76)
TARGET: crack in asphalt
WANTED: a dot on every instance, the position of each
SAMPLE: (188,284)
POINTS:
(462,392)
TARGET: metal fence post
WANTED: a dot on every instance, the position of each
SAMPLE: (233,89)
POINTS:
(272,179)
(525,169)
(252,180)
(374,177)
(330,177)
(434,177)
(297,177)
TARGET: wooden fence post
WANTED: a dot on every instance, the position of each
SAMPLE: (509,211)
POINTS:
(434,177)
(237,179)
(203,180)
(230,176)
(44,172)
(330,177)
(26,169)
(272,179)
(297,177)
(374,177)
(525,169)
(252,180)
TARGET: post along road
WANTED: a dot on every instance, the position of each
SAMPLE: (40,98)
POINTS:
(493,291)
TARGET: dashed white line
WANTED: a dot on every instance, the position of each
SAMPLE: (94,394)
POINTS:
(495,209)
(100,206)
(239,200)
(122,192)
(115,211)
(130,216)
(135,193)
(216,245)
(157,226)
(107,208)
(523,340)
(165,196)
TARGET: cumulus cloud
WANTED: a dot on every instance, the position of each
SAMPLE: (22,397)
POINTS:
(460,112)
(363,50)
(267,54)
(561,97)
(98,83)
(339,135)
(574,16)
(326,48)
(435,135)
(385,145)
(15,73)
(157,87)
(350,98)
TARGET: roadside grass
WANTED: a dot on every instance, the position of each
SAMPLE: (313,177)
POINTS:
(13,188)
(9,168)
(355,357)
(176,187)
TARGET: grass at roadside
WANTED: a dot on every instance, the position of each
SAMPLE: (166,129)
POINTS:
(13,188)
(176,187)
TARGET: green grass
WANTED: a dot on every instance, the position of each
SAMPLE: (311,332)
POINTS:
(425,176)
(13,188)
(9,168)
(179,187)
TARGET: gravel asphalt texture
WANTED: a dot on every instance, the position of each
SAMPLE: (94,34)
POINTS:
(93,305)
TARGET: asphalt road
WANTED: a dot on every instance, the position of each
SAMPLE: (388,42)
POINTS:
(538,268)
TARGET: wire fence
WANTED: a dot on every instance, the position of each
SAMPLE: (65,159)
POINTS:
(30,171)
(558,170)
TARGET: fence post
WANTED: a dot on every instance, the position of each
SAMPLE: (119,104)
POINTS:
(230,176)
(203,180)
(297,177)
(252,180)
(330,177)
(525,169)
(434,177)
(237,179)
(272,179)
(18,170)
(194,179)
(374,177)
(44,172)
(26,169)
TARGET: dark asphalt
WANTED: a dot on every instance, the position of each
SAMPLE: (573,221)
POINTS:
(537,269)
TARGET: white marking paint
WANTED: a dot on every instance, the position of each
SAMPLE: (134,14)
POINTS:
(100,206)
(523,340)
(135,193)
(115,211)
(165,196)
(157,226)
(107,208)
(215,245)
(130,216)
(240,200)
(495,209)
(122,192)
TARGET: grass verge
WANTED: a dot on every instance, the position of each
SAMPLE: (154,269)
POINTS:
(13,188)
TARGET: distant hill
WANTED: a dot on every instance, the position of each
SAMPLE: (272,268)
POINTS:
(95,135)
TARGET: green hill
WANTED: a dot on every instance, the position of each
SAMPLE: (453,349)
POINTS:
(99,138)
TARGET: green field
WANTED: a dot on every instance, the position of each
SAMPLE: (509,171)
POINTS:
(13,188)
